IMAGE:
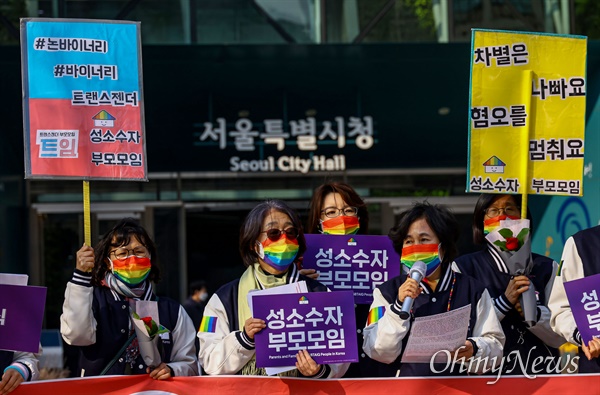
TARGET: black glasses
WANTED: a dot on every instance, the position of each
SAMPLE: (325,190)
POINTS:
(274,234)
(332,212)
(122,253)
(514,211)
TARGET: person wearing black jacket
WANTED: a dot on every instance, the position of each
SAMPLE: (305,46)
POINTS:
(522,341)
(100,300)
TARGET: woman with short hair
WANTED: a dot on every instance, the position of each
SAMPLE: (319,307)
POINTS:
(100,300)
(429,233)
(271,239)
(505,288)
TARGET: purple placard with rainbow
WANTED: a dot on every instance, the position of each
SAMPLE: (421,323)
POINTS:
(584,298)
(21,316)
(323,323)
(352,262)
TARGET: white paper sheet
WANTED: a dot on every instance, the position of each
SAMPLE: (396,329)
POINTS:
(147,308)
(431,334)
(148,346)
(293,288)
(13,279)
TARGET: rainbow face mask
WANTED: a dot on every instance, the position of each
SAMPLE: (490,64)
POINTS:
(428,253)
(278,254)
(491,224)
(131,270)
(341,225)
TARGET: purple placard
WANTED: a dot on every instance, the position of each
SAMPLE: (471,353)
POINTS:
(585,305)
(323,323)
(353,262)
(21,315)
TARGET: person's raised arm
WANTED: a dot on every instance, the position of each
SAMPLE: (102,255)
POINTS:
(77,322)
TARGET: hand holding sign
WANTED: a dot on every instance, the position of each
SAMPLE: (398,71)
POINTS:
(592,350)
(85,259)
(253,326)
(306,365)
(585,305)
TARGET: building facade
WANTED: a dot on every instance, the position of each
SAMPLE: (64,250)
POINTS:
(250,100)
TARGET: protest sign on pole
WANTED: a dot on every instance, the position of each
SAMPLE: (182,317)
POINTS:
(527,113)
(82,99)
(83,109)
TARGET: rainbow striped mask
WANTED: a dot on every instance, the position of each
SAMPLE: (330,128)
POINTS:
(428,253)
(279,254)
(131,270)
(491,224)
(341,225)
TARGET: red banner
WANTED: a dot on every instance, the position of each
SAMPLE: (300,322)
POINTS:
(249,385)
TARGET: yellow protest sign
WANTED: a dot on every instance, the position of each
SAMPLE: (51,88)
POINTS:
(527,113)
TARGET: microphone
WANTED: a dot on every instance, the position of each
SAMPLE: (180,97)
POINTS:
(417,272)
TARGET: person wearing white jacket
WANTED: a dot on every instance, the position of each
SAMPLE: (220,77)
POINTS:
(271,239)
(580,258)
(532,343)
(100,301)
(429,233)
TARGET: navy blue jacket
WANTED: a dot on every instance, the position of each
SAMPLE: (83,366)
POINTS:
(482,266)
(6,358)
(112,331)
(464,291)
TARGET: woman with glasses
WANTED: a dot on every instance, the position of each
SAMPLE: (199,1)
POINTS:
(337,209)
(428,233)
(271,239)
(487,266)
(100,300)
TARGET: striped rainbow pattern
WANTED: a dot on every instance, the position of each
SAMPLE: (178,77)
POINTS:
(132,270)
(491,224)
(103,116)
(208,324)
(375,315)
(282,250)
(341,225)
(419,252)
(303,299)
(494,161)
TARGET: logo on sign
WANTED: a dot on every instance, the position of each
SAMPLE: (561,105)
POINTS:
(352,241)
(303,300)
(494,165)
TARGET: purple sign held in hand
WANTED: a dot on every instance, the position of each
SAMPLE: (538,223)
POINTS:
(585,305)
(353,262)
(21,315)
(323,323)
